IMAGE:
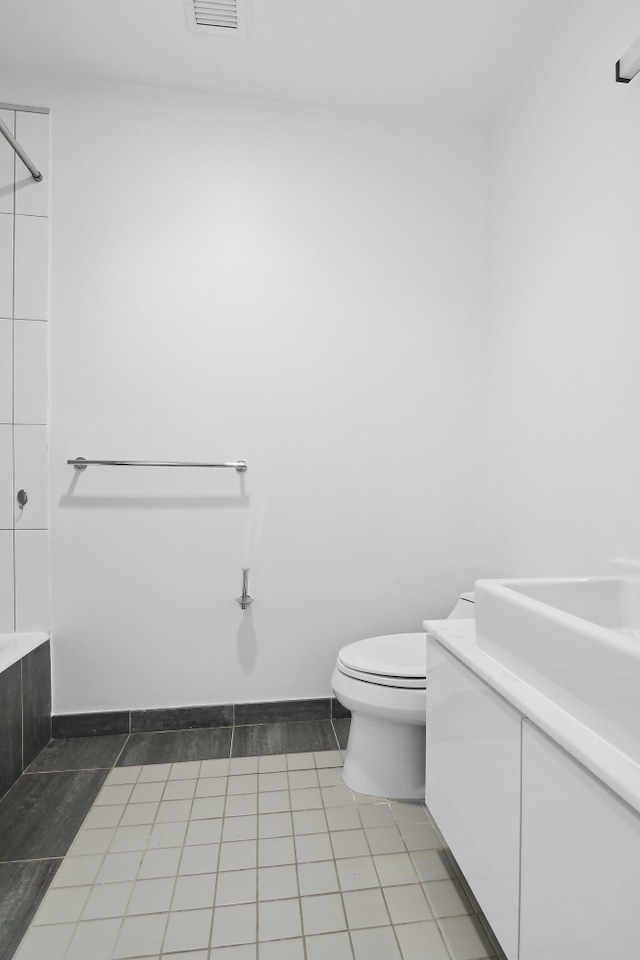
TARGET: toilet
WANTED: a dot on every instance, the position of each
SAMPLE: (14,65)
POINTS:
(382,681)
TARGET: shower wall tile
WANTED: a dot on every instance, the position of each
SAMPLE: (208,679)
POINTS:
(6,581)
(6,164)
(32,580)
(32,133)
(30,472)
(30,379)
(6,371)
(6,265)
(6,480)
(24,282)
(31,268)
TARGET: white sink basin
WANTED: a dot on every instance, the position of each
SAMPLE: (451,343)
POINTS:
(577,640)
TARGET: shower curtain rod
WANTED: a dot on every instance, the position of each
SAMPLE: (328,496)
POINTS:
(11,140)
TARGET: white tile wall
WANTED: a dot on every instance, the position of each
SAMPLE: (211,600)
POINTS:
(6,581)
(31,268)
(6,164)
(6,265)
(24,264)
(32,133)
(6,477)
(32,580)
(30,362)
(6,371)
(30,474)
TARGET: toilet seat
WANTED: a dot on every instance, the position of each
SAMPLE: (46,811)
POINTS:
(396,660)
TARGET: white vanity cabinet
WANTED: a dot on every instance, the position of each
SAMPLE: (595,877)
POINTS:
(580,860)
(473,785)
(548,845)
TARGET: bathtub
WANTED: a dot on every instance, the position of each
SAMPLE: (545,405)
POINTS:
(25,702)
(15,646)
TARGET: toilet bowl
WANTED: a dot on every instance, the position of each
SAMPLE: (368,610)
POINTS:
(382,681)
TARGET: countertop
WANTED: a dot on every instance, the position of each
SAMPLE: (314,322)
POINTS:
(601,758)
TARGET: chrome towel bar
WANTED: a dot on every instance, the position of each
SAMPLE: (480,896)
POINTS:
(81,464)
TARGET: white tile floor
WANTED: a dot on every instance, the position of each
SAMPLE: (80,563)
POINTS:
(259,858)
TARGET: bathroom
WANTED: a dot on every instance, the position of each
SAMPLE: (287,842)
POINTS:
(417,326)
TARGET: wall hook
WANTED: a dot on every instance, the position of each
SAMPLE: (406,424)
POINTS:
(245,599)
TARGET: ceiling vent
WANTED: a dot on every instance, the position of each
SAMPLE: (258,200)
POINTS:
(217,18)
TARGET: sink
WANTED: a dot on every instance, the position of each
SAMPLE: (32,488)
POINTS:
(576,640)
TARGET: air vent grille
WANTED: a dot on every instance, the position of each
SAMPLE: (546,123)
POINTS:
(208,13)
(217,17)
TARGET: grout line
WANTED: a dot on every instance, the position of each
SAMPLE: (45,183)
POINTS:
(13,382)
(177,874)
(121,751)
(34,859)
(269,723)
(144,733)
(22,714)
(46,773)
(335,733)
(217,880)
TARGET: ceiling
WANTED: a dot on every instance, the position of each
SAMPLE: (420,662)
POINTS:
(454,59)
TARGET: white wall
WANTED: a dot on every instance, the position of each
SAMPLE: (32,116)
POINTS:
(305,289)
(561,461)
(298,288)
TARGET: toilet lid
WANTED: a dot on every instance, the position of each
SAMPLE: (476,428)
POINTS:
(400,655)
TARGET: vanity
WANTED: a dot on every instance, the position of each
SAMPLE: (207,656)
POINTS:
(533,761)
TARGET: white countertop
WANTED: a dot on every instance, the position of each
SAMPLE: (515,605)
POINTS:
(607,763)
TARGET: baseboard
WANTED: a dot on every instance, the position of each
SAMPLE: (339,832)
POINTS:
(102,724)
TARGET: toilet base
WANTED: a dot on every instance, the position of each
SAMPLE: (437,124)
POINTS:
(385,759)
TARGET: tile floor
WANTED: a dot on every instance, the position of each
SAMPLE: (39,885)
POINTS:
(252,858)
(43,811)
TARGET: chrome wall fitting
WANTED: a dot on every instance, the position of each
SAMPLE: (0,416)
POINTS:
(245,599)
(11,140)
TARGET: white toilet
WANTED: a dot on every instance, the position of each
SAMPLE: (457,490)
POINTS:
(382,681)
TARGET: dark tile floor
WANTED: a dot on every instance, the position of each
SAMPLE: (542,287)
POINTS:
(42,813)
(23,884)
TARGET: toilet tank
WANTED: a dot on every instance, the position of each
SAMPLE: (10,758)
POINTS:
(463,609)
